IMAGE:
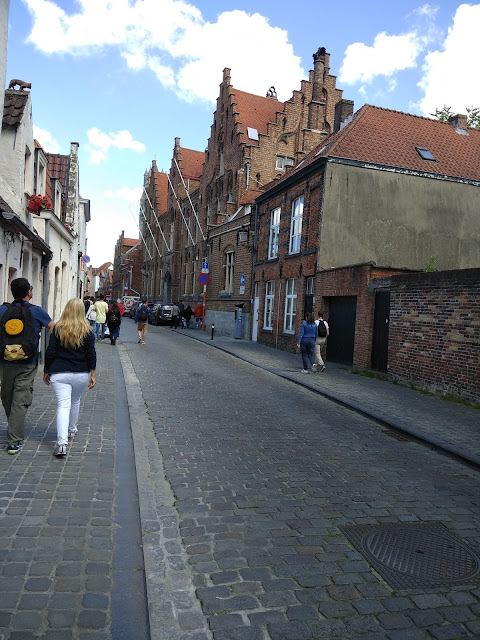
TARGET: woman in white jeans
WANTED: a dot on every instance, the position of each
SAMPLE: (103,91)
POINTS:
(70,362)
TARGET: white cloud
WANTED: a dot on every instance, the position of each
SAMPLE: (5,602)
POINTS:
(450,75)
(125,194)
(170,37)
(388,55)
(100,143)
(44,137)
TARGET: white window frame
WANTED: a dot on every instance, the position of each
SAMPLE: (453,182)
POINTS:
(280,163)
(229,267)
(274,232)
(296,226)
(290,305)
(269,304)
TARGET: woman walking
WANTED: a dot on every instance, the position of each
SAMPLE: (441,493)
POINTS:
(70,362)
(306,342)
(114,320)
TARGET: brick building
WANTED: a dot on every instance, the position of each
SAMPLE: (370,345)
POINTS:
(127,266)
(388,188)
(253,140)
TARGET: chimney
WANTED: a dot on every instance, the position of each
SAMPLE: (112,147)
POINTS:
(343,110)
(459,122)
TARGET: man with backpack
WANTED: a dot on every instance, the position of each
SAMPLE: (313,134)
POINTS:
(323,331)
(141,318)
(20,326)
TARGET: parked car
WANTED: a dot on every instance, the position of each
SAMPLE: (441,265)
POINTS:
(160,314)
(133,310)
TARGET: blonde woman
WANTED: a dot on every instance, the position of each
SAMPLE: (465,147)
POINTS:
(70,362)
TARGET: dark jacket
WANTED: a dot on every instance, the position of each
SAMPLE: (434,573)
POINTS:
(59,359)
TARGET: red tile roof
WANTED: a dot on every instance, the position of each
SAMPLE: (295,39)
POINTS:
(191,163)
(58,166)
(13,107)
(130,242)
(255,112)
(248,197)
(386,137)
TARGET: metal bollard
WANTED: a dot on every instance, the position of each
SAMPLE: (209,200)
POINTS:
(213,329)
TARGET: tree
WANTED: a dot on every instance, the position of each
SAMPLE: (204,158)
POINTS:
(473,115)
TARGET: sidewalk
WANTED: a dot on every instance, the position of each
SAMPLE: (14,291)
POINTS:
(450,427)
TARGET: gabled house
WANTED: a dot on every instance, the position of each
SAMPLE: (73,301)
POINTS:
(175,256)
(254,139)
(127,265)
(387,192)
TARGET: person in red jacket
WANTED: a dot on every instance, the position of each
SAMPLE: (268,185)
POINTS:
(199,313)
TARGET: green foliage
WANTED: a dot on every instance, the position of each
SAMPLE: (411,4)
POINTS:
(432,264)
(473,115)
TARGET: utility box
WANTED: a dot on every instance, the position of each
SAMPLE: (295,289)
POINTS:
(237,332)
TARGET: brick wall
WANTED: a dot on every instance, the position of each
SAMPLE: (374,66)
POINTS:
(434,340)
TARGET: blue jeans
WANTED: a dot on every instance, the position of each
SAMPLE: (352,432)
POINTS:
(99,329)
(307,348)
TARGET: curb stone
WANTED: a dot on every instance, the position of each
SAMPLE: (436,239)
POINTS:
(157,511)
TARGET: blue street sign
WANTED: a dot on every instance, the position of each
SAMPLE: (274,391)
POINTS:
(242,280)
(205,265)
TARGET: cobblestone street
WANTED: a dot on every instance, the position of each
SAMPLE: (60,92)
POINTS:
(235,483)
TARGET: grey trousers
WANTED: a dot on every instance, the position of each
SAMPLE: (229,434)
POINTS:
(17,393)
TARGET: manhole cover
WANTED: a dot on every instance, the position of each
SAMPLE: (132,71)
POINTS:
(415,555)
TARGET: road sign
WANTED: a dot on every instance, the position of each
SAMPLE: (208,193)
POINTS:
(205,265)
(203,278)
(86,259)
(242,280)
(125,287)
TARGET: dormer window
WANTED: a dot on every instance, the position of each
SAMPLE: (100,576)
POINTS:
(425,153)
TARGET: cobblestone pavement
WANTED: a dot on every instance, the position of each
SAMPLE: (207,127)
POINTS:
(60,524)
(245,481)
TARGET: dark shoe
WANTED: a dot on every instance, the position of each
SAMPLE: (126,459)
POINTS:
(139,340)
(322,369)
(15,448)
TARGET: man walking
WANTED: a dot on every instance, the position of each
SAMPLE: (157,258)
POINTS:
(175,316)
(100,307)
(141,318)
(323,331)
(17,377)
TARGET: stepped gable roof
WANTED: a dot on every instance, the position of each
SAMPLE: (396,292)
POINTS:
(385,137)
(14,107)
(191,163)
(160,179)
(255,112)
(104,266)
(58,166)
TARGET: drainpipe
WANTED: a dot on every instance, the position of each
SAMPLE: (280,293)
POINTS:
(45,289)
(252,283)
(278,312)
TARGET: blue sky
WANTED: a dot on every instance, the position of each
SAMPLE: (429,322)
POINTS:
(125,77)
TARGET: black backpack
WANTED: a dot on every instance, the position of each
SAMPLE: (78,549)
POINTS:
(113,318)
(322,329)
(18,338)
(143,313)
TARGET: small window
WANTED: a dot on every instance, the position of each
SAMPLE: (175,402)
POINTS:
(424,153)
(252,133)
(280,164)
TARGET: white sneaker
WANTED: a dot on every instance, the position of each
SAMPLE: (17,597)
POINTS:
(72,434)
(304,370)
(314,367)
(60,450)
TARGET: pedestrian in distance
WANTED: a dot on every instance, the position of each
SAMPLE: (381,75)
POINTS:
(323,333)
(91,314)
(306,341)
(198,313)
(187,315)
(17,375)
(100,307)
(141,318)
(114,320)
(181,306)
(175,316)
(70,363)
